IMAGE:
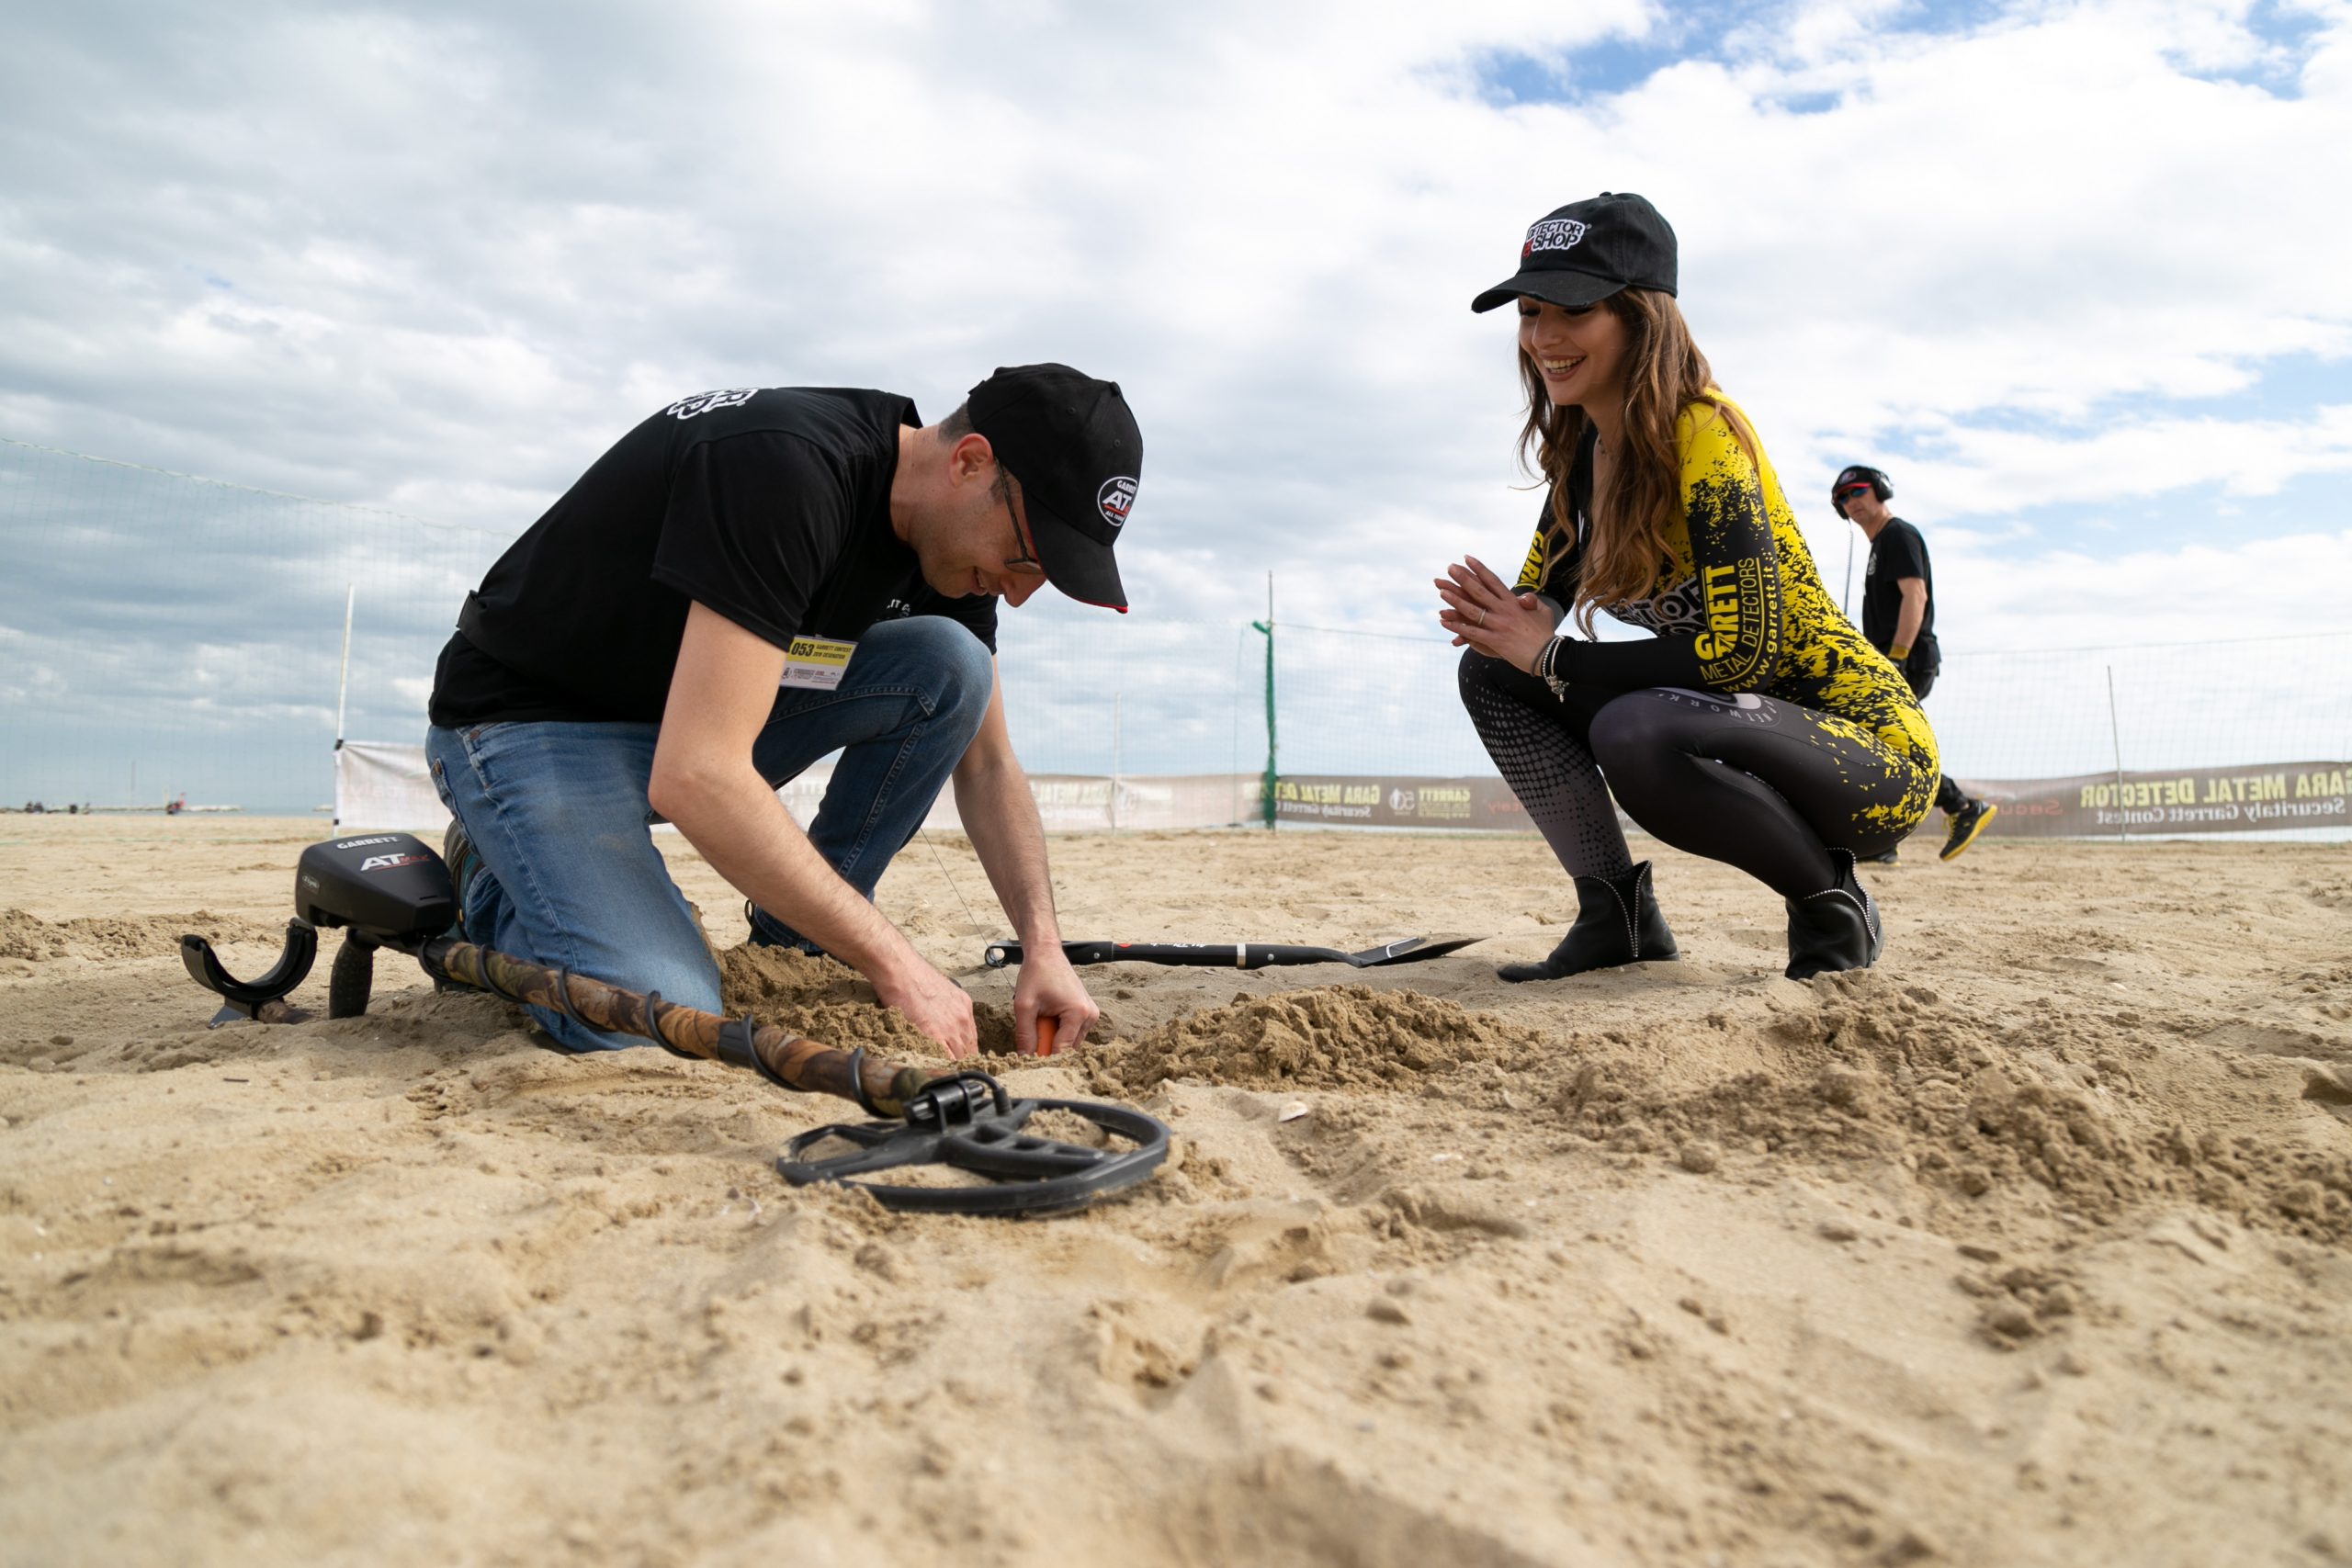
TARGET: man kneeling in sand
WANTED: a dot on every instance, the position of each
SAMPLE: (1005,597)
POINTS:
(750,580)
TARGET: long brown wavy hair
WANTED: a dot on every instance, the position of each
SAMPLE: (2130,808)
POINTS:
(1664,373)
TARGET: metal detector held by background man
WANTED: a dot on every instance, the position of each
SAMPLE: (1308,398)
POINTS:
(388,890)
(1237,954)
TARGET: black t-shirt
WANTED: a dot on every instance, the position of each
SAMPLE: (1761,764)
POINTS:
(1898,552)
(771,507)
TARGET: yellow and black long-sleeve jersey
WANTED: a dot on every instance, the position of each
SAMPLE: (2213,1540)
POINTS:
(1739,606)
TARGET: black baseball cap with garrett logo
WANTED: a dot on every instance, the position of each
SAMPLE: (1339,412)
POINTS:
(1581,253)
(1070,442)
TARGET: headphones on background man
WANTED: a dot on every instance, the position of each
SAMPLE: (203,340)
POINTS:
(1853,474)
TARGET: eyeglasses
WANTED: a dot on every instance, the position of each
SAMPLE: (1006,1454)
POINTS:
(1026,563)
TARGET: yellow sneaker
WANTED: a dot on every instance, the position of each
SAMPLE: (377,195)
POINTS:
(1966,823)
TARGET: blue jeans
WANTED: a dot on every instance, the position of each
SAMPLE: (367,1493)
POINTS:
(558,812)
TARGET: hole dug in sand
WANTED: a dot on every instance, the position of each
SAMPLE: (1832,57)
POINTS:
(830,1002)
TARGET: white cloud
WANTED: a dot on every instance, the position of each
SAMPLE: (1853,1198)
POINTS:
(437,258)
(2011,599)
(1998,471)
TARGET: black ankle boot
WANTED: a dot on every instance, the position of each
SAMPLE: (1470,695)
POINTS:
(1617,922)
(1837,928)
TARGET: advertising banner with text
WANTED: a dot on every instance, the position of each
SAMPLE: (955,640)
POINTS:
(1366,801)
(2261,799)
(2258,799)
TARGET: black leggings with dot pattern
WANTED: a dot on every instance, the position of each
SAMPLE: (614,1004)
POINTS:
(1766,786)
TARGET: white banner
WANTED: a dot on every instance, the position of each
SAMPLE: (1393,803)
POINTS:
(387,787)
(382,787)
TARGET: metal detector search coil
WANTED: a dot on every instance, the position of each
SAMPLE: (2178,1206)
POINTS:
(970,1123)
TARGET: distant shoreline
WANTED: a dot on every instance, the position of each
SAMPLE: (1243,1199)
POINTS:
(256,811)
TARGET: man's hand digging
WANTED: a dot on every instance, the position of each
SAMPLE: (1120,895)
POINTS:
(934,1004)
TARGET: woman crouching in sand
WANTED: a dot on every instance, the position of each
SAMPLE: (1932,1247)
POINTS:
(1756,727)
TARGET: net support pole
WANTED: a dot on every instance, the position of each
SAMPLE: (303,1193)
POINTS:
(2115,738)
(1233,773)
(1266,785)
(343,687)
(343,667)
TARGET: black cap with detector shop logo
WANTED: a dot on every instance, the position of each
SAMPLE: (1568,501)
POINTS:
(1071,442)
(1581,253)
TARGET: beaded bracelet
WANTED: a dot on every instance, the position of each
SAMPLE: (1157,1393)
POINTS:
(1547,665)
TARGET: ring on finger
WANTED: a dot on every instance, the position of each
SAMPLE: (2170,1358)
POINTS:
(1482,615)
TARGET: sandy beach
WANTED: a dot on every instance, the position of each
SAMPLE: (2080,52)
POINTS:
(2031,1246)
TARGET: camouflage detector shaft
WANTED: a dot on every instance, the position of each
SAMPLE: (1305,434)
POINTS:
(783,1058)
(389,891)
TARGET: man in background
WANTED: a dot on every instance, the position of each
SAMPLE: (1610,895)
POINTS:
(1899,620)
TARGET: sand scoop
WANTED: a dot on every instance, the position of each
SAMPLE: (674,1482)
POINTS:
(1239,954)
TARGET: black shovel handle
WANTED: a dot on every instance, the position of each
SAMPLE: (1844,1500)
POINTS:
(1189,954)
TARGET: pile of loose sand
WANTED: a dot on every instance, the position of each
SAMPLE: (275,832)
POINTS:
(33,940)
(1880,1069)
(1323,1037)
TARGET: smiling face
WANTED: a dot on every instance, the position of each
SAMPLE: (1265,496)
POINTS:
(1578,353)
(977,541)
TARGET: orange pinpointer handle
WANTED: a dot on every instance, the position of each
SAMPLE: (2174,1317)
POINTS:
(1045,1036)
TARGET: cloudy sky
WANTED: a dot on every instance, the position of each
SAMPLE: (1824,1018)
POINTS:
(2073,273)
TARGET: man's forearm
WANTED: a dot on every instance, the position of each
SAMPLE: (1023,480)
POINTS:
(747,837)
(1907,619)
(999,816)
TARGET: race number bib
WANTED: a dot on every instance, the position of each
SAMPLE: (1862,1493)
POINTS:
(815,663)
